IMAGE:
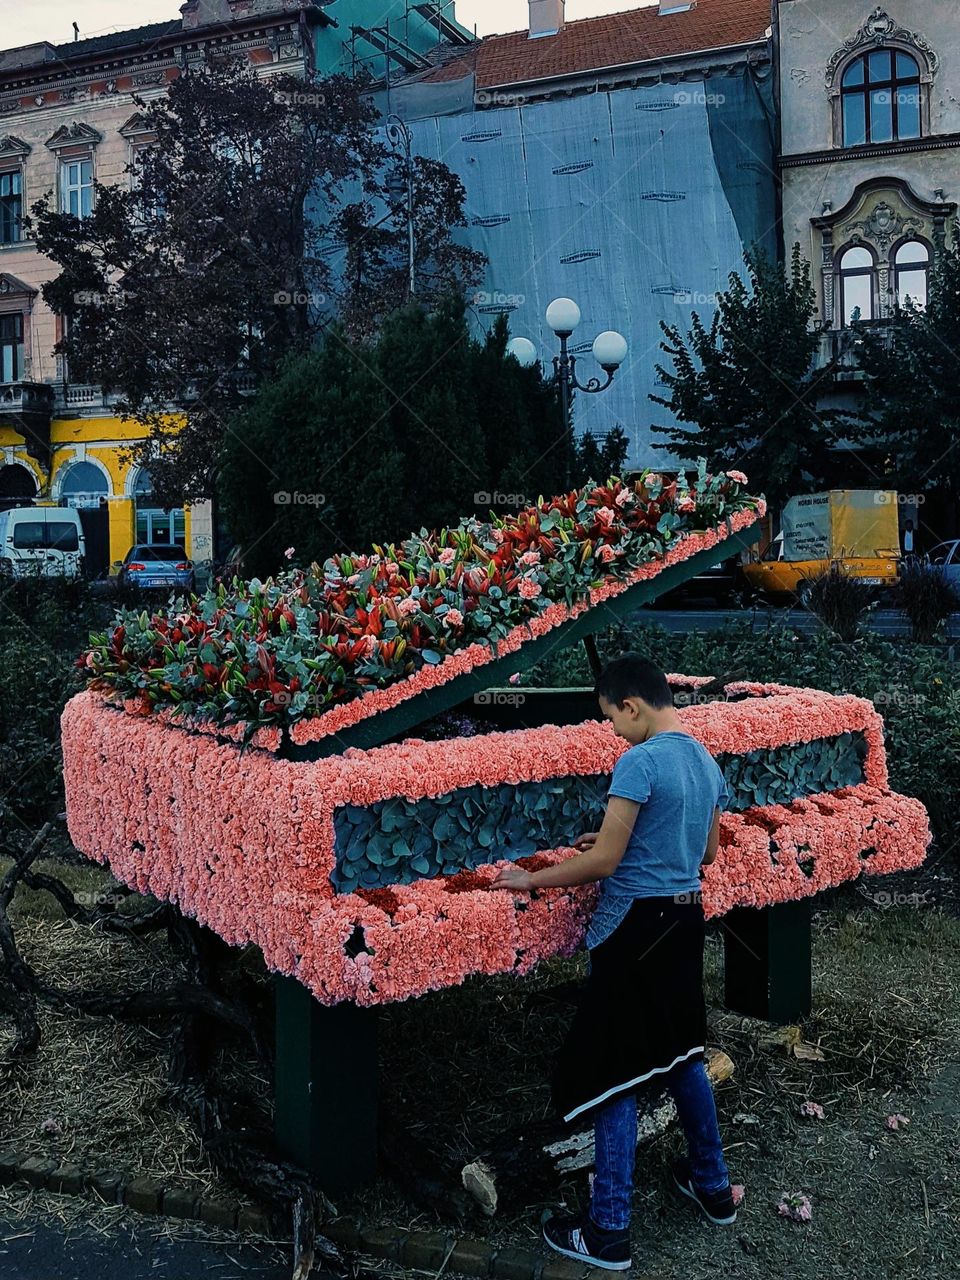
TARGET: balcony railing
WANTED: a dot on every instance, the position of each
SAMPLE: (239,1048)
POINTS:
(27,407)
(842,347)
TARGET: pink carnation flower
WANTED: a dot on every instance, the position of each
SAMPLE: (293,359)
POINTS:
(795,1206)
(530,557)
(607,553)
(737,477)
(289,552)
(453,618)
(606,516)
(407,606)
(447,555)
(529,590)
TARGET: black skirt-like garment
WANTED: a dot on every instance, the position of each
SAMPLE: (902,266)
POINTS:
(642,1009)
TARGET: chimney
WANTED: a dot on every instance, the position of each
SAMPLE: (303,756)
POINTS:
(546,18)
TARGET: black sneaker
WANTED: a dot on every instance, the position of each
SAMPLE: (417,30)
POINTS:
(582,1239)
(718,1206)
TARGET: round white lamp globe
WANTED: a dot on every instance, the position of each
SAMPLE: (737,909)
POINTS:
(523,351)
(610,349)
(563,316)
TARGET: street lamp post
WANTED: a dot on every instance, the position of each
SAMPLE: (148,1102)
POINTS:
(401,140)
(609,349)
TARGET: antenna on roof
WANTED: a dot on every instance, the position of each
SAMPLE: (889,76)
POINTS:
(76,32)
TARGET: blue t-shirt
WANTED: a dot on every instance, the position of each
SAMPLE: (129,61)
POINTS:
(679,786)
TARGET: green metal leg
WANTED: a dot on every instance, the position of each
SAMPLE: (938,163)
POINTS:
(325,1087)
(767,960)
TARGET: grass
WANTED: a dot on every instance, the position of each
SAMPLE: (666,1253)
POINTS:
(463,1066)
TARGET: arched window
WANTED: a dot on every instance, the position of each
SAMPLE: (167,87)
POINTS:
(911,265)
(880,92)
(83,485)
(857,288)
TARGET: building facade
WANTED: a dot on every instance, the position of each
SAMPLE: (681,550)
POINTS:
(869,150)
(68,120)
(624,161)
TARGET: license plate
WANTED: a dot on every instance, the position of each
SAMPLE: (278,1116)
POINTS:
(872,582)
(154,582)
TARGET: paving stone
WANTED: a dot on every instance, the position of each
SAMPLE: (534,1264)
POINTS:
(36,1170)
(471,1258)
(344,1232)
(178,1202)
(67,1179)
(219,1213)
(426,1250)
(107,1184)
(382,1242)
(517,1264)
(143,1194)
(9,1166)
(256,1218)
(567,1269)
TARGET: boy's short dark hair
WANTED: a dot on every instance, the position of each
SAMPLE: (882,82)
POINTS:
(633,676)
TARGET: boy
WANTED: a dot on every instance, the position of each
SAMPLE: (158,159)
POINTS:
(642,1015)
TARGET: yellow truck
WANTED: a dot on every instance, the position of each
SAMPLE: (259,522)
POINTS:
(858,529)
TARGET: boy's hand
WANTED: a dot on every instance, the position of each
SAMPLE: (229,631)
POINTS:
(514,878)
(585,842)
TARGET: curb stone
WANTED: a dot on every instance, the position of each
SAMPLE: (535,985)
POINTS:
(418,1250)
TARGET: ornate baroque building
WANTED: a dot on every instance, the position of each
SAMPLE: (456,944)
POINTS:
(68,120)
(869,149)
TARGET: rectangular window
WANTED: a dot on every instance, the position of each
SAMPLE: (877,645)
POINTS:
(854,120)
(881,115)
(908,113)
(912,285)
(857,298)
(76,187)
(28,535)
(11,347)
(62,536)
(881,67)
(11,206)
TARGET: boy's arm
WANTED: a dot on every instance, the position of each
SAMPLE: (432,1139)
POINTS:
(713,840)
(596,863)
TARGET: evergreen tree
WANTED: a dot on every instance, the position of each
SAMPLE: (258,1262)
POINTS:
(749,385)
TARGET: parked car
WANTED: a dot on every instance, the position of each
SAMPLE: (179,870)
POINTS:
(156,568)
(947,556)
(41,542)
(723,583)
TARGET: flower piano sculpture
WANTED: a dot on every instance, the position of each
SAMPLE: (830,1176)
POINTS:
(254,757)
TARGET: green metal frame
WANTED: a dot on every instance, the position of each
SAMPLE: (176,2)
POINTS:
(326,1074)
(397,722)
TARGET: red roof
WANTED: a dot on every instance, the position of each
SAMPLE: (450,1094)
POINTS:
(616,39)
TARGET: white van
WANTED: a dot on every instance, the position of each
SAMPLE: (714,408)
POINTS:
(41,542)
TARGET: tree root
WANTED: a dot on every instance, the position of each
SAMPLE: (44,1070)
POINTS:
(200,1010)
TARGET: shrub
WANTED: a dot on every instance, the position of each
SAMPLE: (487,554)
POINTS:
(840,601)
(926,597)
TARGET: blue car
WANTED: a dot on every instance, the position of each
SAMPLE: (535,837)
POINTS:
(157,568)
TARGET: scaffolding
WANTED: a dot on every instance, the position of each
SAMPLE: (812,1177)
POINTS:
(391,42)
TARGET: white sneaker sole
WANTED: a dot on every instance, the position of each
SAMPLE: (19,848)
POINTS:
(692,1195)
(586,1259)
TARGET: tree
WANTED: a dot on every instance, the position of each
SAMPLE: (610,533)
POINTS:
(414,428)
(194,286)
(750,384)
(911,388)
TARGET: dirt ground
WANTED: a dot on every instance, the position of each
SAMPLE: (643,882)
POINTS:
(462,1067)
